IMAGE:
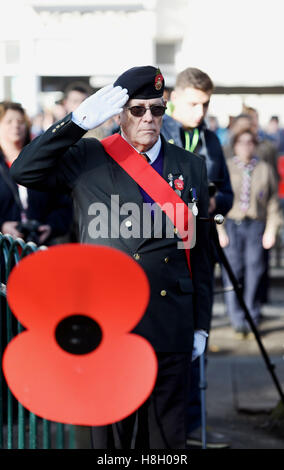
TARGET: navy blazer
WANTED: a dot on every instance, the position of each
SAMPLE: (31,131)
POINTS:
(178,305)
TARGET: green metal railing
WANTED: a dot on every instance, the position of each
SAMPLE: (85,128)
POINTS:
(19,428)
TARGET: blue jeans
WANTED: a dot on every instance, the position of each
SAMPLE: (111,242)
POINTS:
(246,256)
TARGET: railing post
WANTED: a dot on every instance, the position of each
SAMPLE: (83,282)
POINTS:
(46,441)
(11,252)
(60,436)
(33,431)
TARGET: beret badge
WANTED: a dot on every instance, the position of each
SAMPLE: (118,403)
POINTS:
(158,80)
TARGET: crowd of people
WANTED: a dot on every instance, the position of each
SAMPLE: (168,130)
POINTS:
(26,213)
(242,183)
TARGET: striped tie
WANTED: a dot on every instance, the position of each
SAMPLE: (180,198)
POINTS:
(145,156)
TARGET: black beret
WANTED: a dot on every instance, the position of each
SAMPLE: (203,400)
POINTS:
(145,82)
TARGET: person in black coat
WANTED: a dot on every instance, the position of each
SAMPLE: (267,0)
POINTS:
(184,125)
(177,318)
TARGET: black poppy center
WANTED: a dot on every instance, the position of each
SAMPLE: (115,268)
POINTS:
(78,334)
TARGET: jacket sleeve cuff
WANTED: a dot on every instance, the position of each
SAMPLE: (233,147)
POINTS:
(202,332)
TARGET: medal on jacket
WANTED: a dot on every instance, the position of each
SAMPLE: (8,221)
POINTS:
(194,200)
(170,178)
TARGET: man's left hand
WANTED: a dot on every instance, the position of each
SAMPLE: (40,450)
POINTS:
(199,343)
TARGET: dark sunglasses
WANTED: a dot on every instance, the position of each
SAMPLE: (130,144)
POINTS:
(139,111)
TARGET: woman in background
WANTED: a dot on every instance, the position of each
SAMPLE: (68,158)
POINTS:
(24,212)
(251,227)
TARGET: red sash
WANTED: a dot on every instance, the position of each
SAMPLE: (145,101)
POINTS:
(157,188)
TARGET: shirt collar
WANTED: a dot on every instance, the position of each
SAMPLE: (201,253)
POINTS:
(153,152)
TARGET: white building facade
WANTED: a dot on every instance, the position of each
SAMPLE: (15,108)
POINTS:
(47,44)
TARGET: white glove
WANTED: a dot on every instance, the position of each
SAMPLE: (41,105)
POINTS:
(199,343)
(99,107)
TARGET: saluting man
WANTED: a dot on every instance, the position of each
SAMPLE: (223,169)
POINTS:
(98,175)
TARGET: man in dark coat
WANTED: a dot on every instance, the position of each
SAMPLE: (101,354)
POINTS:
(177,318)
(185,126)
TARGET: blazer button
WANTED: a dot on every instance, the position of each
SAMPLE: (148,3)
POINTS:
(175,230)
(163,293)
(136,256)
(166,259)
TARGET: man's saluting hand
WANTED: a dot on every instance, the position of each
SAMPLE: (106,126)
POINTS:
(99,107)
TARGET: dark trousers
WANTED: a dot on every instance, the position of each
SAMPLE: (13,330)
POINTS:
(193,412)
(246,256)
(160,422)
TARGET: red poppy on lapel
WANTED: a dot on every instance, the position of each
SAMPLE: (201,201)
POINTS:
(179,184)
(76,362)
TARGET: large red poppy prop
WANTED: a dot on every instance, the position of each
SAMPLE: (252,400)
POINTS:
(76,362)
